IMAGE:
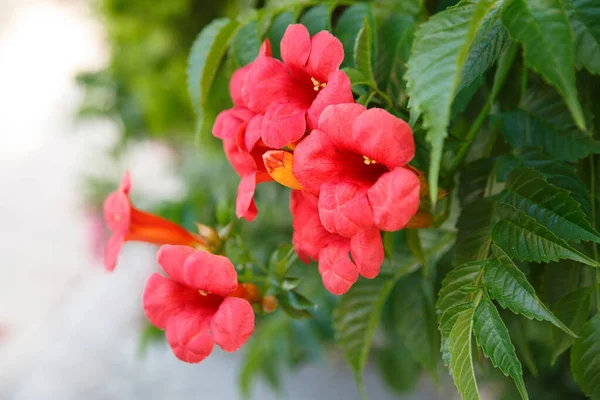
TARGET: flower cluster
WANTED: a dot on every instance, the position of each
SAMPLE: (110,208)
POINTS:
(295,121)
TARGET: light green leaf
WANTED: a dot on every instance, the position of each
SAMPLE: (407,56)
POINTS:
(474,235)
(445,325)
(492,335)
(439,53)
(414,313)
(461,358)
(362,52)
(358,312)
(553,207)
(450,294)
(317,19)
(406,7)
(246,44)
(523,238)
(508,285)
(394,40)
(347,27)
(583,16)
(585,358)
(206,54)
(574,309)
(543,28)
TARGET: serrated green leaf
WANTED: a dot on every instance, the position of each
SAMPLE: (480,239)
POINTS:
(585,358)
(346,29)
(414,314)
(474,180)
(358,312)
(363,51)
(450,295)
(574,309)
(508,285)
(559,279)
(489,42)
(445,325)
(461,358)
(523,238)
(474,235)
(542,26)
(317,19)
(205,56)
(246,44)
(551,206)
(583,16)
(394,40)
(434,71)
(492,335)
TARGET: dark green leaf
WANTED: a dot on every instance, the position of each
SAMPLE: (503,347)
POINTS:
(492,335)
(461,357)
(438,55)
(559,279)
(523,238)
(574,309)
(362,52)
(277,29)
(585,358)
(474,235)
(583,16)
(206,54)
(553,207)
(317,19)
(414,313)
(450,295)
(543,28)
(406,7)
(399,372)
(474,180)
(347,27)
(510,288)
(246,44)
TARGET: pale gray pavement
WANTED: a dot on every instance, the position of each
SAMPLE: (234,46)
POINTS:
(69,331)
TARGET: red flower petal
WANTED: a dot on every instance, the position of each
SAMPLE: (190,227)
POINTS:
(295,47)
(265,49)
(394,199)
(117,211)
(112,250)
(244,205)
(326,55)
(248,138)
(384,138)
(344,209)
(229,122)
(189,338)
(337,270)
(125,184)
(171,258)
(337,91)
(233,323)
(267,82)
(236,83)
(164,299)
(210,273)
(309,234)
(337,121)
(367,252)
(284,123)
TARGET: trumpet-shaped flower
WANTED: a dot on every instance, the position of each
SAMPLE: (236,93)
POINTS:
(128,223)
(312,240)
(197,303)
(292,94)
(355,161)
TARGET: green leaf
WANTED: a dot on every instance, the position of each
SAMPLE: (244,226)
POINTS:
(414,313)
(399,372)
(362,52)
(553,207)
(277,29)
(358,312)
(523,238)
(508,285)
(492,335)
(474,235)
(450,294)
(394,40)
(583,16)
(559,279)
(489,42)
(206,54)
(445,324)
(347,27)
(543,28)
(246,44)
(439,53)
(585,358)
(406,7)
(356,77)
(474,180)
(574,309)
(461,358)
(317,19)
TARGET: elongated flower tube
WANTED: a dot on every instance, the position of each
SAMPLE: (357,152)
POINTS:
(128,223)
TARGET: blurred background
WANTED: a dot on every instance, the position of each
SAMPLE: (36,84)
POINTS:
(89,89)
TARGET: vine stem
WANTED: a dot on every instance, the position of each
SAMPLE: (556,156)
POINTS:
(594,245)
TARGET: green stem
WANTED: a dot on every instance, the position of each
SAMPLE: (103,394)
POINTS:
(594,245)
